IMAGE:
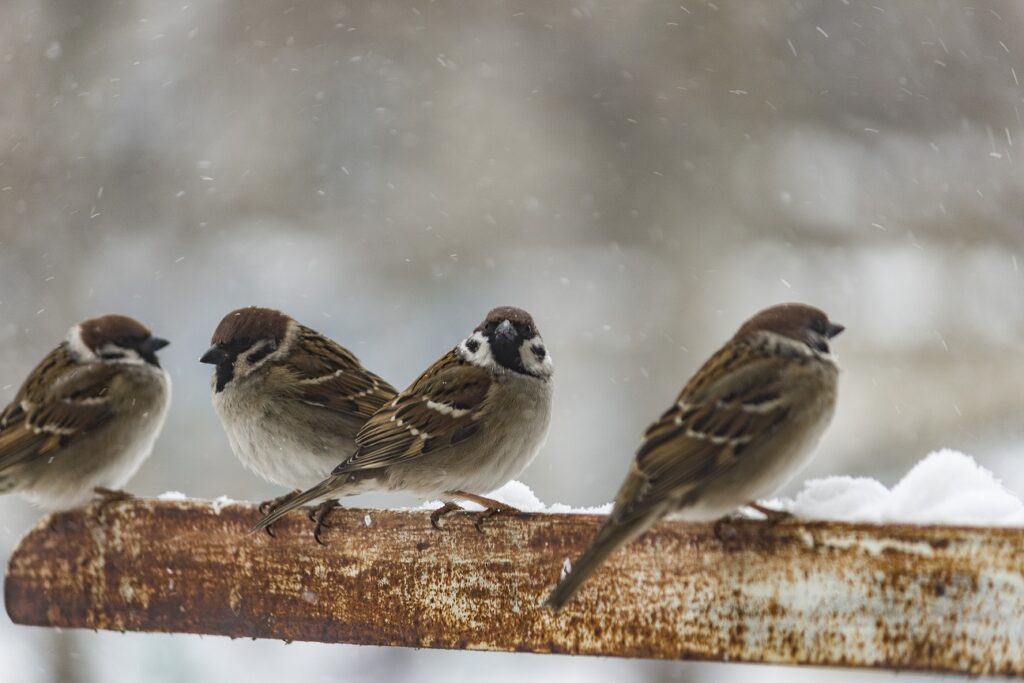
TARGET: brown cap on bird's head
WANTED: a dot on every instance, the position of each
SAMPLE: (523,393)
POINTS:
(792,321)
(250,324)
(116,338)
(519,318)
(96,332)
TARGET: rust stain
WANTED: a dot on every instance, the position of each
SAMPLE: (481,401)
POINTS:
(943,599)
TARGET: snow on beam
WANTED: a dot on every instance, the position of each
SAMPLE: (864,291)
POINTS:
(897,597)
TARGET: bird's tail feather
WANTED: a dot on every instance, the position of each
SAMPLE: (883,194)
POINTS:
(321,490)
(610,537)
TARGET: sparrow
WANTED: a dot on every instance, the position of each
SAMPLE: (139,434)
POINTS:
(741,428)
(469,424)
(87,416)
(290,399)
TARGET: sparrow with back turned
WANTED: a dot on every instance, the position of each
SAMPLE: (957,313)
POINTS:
(291,400)
(87,416)
(741,428)
(468,425)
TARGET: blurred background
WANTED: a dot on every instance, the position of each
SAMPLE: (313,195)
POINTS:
(640,176)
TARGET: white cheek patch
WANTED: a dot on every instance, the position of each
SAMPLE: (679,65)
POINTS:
(285,347)
(258,353)
(77,346)
(128,356)
(786,346)
(476,349)
(263,353)
(535,357)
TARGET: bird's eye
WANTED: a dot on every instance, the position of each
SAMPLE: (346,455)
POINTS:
(539,351)
(472,345)
(112,355)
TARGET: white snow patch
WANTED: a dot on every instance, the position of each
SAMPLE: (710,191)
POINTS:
(946,487)
(172,496)
(220,503)
(520,496)
(562,508)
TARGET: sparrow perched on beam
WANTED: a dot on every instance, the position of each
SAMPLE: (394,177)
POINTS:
(87,416)
(741,428)
(291,400)
(469,424)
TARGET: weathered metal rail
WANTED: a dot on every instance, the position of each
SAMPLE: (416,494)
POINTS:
(898,597)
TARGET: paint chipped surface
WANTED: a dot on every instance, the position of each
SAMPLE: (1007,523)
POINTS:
(898,597)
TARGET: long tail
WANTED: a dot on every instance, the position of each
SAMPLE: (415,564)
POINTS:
(325,488)
(610,537)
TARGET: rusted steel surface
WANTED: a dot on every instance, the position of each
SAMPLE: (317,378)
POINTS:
(898,597)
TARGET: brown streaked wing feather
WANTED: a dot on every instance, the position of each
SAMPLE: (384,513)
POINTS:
(42,417)
(33,389)
(331,376)
(409,427)
(706,431)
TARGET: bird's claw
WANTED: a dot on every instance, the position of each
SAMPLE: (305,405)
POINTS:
(107,498)
(318,515)
(438,515)
(268,506)
(772,516)
(725,530)
(482,517)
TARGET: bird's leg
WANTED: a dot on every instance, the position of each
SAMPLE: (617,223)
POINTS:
(772,515)
(438,515)
(319,515)
(108,497)
(268,506)
(491,507)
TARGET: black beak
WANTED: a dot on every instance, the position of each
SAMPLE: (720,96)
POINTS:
(153,344)
(214,356)
(833,329)
(506,331)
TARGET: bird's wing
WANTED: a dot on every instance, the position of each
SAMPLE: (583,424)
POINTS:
(718,415)
(59,402)
(330,376)
(442,408)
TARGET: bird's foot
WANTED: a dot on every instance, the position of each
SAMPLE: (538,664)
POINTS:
(491,507)
(725,529)
(438,515)
(268,506)
(772,516)
(107,498)
(319,514)
(482,517)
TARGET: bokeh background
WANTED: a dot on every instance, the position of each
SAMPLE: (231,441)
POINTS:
(640,176)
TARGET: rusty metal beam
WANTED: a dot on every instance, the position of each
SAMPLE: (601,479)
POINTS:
(896,597)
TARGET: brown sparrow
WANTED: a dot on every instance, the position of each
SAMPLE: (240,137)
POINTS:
(741,428)
(87,415)
(469,424)
(291,400)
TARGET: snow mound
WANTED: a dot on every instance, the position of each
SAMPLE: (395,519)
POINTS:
(946,487)
(220,502)
(520,496)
